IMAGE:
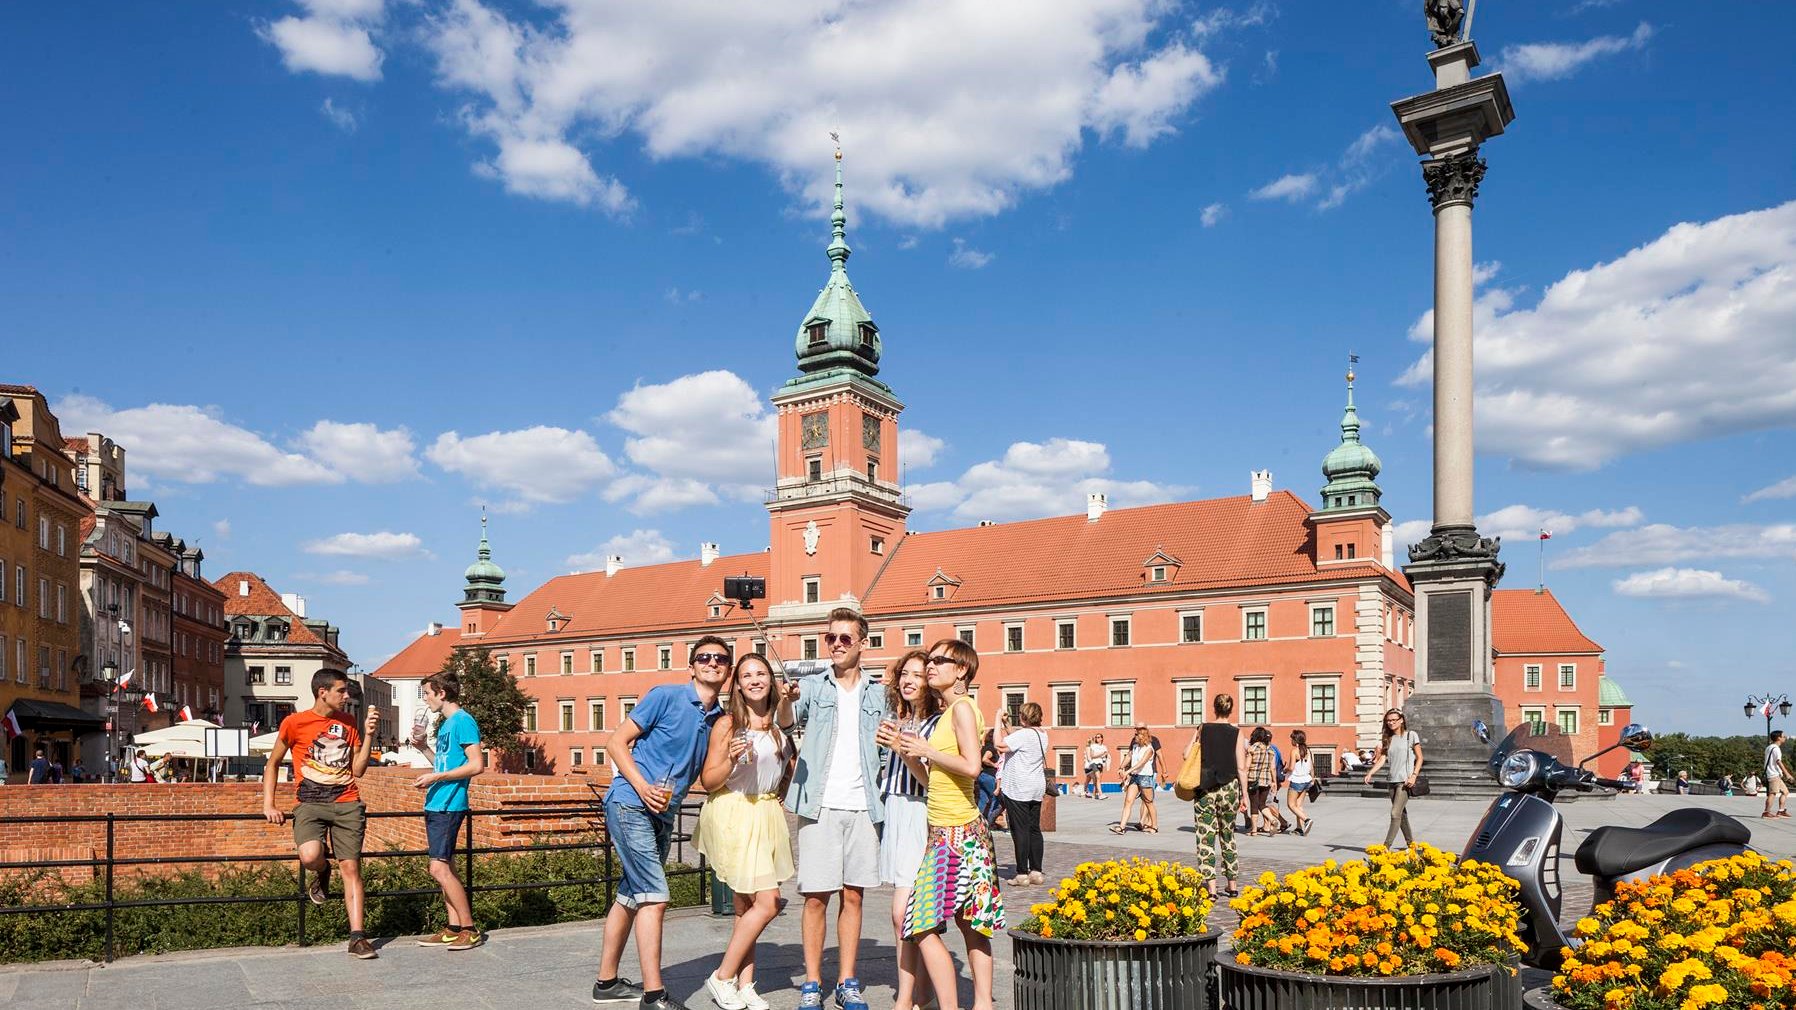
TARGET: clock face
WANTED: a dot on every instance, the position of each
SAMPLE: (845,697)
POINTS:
(869,433)
(816,430)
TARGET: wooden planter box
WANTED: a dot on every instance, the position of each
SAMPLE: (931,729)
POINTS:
(1250,987)
(1055,974)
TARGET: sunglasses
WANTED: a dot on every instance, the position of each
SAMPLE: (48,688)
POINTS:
(831,638)
(718,658)
(943,661)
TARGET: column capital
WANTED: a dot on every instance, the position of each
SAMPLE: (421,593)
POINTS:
(1454,178)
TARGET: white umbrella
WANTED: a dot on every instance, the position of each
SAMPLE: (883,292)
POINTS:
(193,732)
(264,743)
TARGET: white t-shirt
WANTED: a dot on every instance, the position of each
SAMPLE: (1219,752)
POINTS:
(846,786)
(1024,779)
(1774,760)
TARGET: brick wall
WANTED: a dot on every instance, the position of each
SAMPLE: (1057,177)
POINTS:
(569,798)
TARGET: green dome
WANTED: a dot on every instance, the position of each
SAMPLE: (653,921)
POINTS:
(1610,695)
(1350,459)
(484,571)
(838,334)
(486,581)
(1351,467)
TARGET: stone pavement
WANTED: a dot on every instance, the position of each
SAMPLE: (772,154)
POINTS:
(552,966)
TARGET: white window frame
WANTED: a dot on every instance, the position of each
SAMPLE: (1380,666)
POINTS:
(595,707)
(564,713)
(1128,624)
(1565,668)
(663,657)
(1539,676)
(1018,691)
(574,758)
(530,665)
(1060,691)
(595,660)
(1316,610)
(629,660)
(530,715)
(1242,687)
(1062,624)
(1179,687)
(1185,615)
(1157,573)
(1016,626)
(876,545)
(567,663)
(625,706)
(812,588)
(1110,693)
(913,638)
(1309,700)
(1066,763)
(968,633)
(876,639)
(1531,711)
(1605,717)
(1265,614)
(807,647)
(1559,713)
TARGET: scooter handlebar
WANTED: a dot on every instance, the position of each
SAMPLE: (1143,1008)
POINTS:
(1611,783)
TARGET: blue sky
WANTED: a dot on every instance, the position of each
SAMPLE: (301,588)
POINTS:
(337,272)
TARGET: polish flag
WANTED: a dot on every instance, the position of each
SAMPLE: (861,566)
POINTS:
(125,681)
(186,714)
(149,703)
(1546,534)
(13,729)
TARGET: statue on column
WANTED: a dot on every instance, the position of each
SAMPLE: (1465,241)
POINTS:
(1444,20)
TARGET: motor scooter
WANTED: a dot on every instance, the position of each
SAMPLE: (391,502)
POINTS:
(1520,834)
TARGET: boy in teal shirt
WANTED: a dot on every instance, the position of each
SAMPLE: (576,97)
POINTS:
(458,759)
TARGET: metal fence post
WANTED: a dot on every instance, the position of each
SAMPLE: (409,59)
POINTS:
(110,911)
(303,902)
(468,861)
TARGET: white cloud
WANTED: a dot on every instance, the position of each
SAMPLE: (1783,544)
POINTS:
(339,117)
(1684,338)
(1291,188)
(1223,19)
(1214,213)
(676,296)
(362,452)
(637,547)
(186,444)
(967,258)
(1785,488)
(538,465)
(384,545)
(1037,479)
(340,577)
(1662,544)
(333,39)
(915,449)
(1519,523)
(700,438)
(1484,273)
(950,108)
(1687,584)
(222,529)
(1550,61)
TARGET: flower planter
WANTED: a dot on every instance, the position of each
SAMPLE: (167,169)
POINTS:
(1250,987)
(1540,998)
(1055,974)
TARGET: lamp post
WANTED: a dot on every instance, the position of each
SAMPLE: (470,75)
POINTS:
(115,697)
(1764,703)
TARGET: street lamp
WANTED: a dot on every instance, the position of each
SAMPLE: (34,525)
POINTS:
(109,676)
(1757,704)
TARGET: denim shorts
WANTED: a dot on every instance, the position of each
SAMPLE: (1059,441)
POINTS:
(441,827)
(1145,783)
(641,840)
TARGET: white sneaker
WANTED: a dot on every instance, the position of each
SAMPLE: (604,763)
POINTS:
(724,993)
(751,999)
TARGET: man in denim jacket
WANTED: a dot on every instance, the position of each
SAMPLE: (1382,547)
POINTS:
(834,793)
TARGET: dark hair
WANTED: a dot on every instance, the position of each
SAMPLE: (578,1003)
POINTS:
(848,614)
(1260,734)
(1776,735)
(708,640)
(324,680)
(446,684)
(927,705)
(961,653)
(1300,745)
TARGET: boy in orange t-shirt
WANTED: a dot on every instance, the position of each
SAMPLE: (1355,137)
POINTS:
(328,756)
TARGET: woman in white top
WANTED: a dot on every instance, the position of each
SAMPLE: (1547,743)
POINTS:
(1097,758)
(1299,775)
(1138,781)
(1025,753)
(904,838)
(742,828)
(1402,748)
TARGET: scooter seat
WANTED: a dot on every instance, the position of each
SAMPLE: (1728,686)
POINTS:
(1611,851)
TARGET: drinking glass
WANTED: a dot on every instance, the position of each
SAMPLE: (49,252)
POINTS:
(748,753)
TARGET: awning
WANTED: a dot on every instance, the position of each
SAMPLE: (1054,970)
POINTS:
(52,716)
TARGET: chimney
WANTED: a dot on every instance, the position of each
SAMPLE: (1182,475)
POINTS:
(1095,505)
(295,603)
(614,563)
(434,630)
(1262,484)
(986,522)
(1388,546)
(707,553)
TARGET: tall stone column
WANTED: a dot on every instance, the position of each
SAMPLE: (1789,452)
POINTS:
(1454,569)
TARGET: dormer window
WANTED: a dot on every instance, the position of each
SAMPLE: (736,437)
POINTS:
(942,586)
(1161,567)
(867,332)
(817,333)
(556,620)
(938,592)
(1157,574)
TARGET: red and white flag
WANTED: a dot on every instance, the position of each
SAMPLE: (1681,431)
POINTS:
(149,703)
(13,729)
(186,714)
(125,681)
(1546,534)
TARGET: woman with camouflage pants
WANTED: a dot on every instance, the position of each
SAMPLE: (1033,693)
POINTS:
(1221,794)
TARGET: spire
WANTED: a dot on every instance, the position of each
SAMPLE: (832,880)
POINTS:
(1351,466)
(838,336)
(486,581)
(838,223)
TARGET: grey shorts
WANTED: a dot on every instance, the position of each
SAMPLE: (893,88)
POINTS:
(838,849)
(342,823)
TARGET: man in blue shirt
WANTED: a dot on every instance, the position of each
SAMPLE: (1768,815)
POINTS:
(40,770)
(657,753)
(458,759)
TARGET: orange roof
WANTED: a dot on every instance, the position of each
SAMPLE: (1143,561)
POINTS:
(1221,543)
(635,600)
(262,601)
(423,657)
(75,444)
(1528,623)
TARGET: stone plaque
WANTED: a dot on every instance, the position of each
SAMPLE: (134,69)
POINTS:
(1449,637)
(816,430)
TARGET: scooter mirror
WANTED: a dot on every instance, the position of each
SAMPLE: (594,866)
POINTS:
(1636,736)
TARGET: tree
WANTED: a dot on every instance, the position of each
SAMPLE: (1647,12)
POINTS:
(491,696)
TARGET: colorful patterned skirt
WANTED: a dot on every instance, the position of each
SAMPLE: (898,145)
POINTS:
(958,877)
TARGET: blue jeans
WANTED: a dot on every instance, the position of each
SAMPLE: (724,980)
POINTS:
(985,796)
(641,839)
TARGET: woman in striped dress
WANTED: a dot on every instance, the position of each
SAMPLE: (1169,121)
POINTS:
(958,878)
(906,831)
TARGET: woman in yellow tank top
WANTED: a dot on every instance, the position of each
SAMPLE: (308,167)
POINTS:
(958,879)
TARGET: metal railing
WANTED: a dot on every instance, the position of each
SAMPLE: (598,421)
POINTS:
(107,865)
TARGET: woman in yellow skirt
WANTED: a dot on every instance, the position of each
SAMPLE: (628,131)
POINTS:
(742,828)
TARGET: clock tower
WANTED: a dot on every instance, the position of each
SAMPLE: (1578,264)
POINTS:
(837,511)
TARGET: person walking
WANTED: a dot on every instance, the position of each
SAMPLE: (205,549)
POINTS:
(958,877)
(915,709)
(986,786)
(1683,783)
(1777,776)
(1261,779)
(1302,776)
(1097,758)
(835,794)
(1221,794)
(742,828)
(458,759)
(1025,751)
(1401,748)
(656,754)
(38,774)
(328,756)
(1138,783)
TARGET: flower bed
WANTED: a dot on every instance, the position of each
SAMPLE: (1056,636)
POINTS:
(1721,934)
(1124,899)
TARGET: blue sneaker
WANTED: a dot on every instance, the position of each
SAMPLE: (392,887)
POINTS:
(848,995)
(810,995)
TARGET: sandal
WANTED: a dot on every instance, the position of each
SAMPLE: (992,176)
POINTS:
(1117,829)
(1150,831)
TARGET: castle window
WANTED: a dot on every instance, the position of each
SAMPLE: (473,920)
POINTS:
(939,592)
(813,468)
(813,589)
(878,545)
(872,469)
(867,332)
(1352,551)
(1158,574)
(818,333)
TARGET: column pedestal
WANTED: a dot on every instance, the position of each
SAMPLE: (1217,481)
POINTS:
(1453,573)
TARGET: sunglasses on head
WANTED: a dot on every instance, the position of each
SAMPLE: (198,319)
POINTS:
(831,638)
(719,658)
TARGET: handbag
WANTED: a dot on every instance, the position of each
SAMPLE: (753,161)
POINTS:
(1314,792)
(1420,788)
(1191,773)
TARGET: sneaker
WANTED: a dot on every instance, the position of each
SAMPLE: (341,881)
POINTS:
(440,939)
(318,887)
(848,995)
(810,996)
(751,999)
(724,993)
(1035,877)
(1020,879)
(468,939)
(661,1002)
(360,947)
(621,992)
